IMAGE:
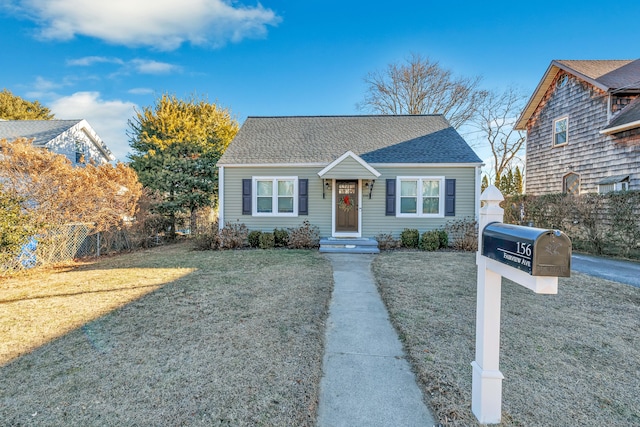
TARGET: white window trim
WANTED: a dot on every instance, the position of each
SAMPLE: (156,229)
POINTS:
(419,213)
(274,198)
(553,132)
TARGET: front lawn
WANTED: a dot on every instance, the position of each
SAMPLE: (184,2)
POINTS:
(571,359)
(167,336)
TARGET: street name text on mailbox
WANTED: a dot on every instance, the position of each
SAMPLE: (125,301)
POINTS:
(536,251)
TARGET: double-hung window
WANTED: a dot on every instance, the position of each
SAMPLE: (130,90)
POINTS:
(275,196)
(420,196)
(80,157)
(560,131)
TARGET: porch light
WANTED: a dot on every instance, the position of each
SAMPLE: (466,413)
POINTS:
(368,185)
(326,186)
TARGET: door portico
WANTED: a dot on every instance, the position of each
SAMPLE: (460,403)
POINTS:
(346,175)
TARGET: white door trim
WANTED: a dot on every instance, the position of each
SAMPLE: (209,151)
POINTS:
(334,206)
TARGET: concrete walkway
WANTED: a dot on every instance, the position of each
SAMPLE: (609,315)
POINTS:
(367,381)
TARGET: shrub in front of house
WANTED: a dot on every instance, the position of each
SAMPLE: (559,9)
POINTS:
(306,236)
(463,234)
(386,242)
(267,241)
(444,238)
(208,240)
(430,241)
(281,237)
(254,238)
(409,238)
(233,235)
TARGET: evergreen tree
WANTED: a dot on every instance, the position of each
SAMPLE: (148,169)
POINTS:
(13,107)
(507,184)
(517,180)
(176,145)
(15,227)
(484,184)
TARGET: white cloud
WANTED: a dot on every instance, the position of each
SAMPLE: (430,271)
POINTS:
(43,88)
(147,66)
(107,117)
(140,66)
(162,24)
(43,85)
(141,91)
(90,60)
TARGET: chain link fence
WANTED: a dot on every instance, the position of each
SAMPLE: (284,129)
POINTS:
(81,240)
(56,245)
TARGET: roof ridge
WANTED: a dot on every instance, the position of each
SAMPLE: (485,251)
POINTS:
(347,115)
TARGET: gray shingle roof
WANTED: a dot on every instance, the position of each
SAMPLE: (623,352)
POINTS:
(42,131)
(630,114)
(613,74)
(322,139)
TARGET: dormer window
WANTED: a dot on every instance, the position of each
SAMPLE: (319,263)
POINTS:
(560,131)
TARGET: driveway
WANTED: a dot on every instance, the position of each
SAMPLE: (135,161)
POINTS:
(611,269)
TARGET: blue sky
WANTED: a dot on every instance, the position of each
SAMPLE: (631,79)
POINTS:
(100,60)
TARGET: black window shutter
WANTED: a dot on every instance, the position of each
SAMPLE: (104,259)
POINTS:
(246,196)
(303,197)
(450,197)
(391,197)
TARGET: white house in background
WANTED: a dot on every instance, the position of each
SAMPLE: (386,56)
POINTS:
(74,139)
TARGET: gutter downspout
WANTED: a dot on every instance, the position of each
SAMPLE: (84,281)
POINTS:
(220,197)
(477,192)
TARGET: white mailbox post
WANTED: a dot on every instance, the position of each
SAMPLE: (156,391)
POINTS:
(531,257)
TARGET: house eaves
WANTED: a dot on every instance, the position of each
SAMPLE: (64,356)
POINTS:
(580,69)
(361,169)
(628,118)
(534,101)
(621,128)
(95,139)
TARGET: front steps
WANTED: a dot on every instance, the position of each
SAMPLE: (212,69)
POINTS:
(349,245)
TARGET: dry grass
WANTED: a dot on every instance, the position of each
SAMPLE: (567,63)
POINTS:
(166,337)
(571,359)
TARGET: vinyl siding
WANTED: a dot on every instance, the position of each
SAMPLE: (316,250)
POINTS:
(319,208)
(374,220)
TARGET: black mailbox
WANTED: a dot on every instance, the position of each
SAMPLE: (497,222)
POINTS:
(536,251)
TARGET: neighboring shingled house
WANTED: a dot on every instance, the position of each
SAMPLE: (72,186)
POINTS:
(351,176)
(74,139)
(583,128)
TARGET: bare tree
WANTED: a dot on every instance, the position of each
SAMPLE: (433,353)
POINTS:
(422,87)
(495,119)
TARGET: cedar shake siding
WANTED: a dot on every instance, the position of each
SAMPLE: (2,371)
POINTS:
(592,152)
